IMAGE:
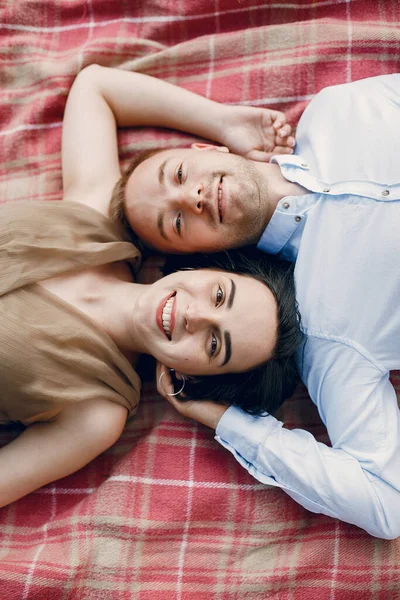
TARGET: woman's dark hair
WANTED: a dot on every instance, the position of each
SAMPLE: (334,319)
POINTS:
(264,388)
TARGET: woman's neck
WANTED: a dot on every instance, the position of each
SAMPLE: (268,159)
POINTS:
(118,310)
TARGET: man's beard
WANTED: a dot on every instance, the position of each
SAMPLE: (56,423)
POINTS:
(255,198)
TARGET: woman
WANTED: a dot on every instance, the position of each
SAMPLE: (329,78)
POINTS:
(72,323)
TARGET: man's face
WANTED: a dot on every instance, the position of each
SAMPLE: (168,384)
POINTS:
(190,200)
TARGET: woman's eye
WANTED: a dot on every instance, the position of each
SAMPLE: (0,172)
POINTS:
(214,344)
(178,223)
(180,173)
(219,297)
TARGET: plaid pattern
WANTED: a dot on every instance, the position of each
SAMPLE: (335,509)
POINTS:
(167,513)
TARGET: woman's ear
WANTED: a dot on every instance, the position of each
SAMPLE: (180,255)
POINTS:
(189,378)
(200,146)
(186,379)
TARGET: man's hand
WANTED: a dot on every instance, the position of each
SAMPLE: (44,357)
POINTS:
(204,411)
(256,133)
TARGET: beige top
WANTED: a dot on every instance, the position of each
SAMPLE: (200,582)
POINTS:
(52,354)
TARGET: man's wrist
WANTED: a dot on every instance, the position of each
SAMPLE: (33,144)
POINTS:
(217,415)
(210,121)
(224,119)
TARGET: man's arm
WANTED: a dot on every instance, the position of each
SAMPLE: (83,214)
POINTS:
(357,480)
(102,99)
(331,481)
(45,452)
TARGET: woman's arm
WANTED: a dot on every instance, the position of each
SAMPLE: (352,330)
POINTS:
(45,452)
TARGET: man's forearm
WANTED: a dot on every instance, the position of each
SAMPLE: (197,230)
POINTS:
(141,100)
(327,480)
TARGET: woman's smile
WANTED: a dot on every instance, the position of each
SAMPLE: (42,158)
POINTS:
(165,315)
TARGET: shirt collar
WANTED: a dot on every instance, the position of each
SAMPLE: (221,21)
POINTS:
(288,217)
(291,160)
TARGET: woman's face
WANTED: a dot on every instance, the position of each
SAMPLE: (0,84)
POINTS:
(207,322)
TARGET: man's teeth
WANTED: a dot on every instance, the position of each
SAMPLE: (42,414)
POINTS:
(166,316)
(220,199)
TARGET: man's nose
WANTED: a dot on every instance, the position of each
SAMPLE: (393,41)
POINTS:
(193,198)
(196,318)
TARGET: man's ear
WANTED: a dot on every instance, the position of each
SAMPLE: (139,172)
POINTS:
(201,146)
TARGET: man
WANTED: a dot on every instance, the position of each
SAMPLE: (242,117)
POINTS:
(333,206)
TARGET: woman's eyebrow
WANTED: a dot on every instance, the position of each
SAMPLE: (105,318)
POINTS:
(231,294)
(228,348)
(227,335)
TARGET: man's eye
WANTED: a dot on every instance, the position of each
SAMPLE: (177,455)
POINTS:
(214,345)
(178,223)
(219,296)
(180,173)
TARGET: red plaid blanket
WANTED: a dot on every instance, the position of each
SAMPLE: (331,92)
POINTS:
(167,513)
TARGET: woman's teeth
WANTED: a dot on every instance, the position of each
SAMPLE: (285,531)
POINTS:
(166,317)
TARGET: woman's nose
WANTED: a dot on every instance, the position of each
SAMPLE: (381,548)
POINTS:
(196,318)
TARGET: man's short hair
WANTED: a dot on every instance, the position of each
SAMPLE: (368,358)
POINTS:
(117,210)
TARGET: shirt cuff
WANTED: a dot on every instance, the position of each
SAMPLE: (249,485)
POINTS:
(243,432)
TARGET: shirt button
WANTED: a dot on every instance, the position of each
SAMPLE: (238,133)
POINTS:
(326,190)
(286,205)
(385,193)
(297,219)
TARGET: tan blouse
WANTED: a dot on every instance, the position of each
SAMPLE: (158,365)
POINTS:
(51,354)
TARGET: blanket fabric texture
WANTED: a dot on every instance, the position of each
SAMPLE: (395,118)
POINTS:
(167,513)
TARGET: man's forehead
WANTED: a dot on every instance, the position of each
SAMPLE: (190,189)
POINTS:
(200,155)
(171,152)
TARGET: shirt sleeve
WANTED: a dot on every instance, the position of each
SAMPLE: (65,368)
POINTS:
(356,480)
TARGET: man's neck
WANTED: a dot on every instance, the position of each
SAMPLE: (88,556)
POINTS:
(278,187)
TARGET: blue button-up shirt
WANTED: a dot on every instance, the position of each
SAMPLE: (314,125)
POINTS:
(345,238)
